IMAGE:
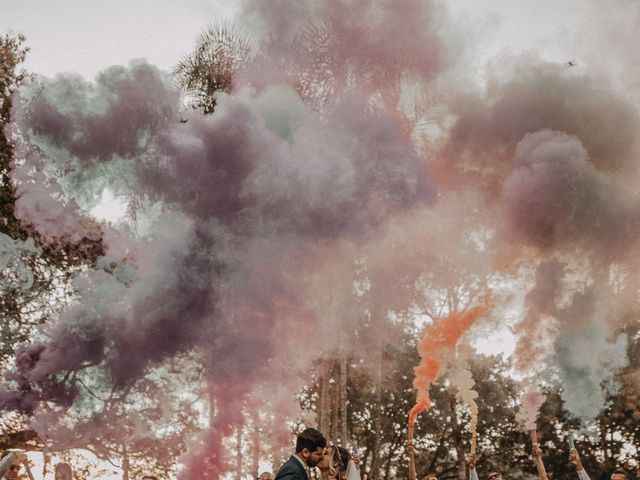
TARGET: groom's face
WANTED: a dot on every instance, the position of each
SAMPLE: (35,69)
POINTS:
(312,458)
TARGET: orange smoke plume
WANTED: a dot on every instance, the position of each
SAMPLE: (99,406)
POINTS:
(438,338)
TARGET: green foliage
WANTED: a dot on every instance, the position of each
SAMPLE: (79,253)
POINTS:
(12,54)
(220,52)
(442,434)
(34,279)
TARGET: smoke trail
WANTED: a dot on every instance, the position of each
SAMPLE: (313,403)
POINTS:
(531,400)
(586,358)
(438,339)
(535,336)
(564,201)
(541,303)
(462,379)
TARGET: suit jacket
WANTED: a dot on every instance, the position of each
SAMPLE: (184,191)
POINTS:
(292,469)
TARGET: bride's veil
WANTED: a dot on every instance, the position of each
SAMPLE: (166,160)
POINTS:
(352,471)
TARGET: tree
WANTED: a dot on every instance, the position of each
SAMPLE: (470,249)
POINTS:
(219,53)
(34,278)
(142,428)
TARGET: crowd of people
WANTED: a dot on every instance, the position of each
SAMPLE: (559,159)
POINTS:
(336,463)
(574,459)
(312,455)
(13,462)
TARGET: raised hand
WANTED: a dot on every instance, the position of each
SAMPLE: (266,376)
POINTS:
(21,457)
(536,451)
(410,448)
(574,457)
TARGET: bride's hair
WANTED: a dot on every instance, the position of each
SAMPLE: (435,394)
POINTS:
(341,457)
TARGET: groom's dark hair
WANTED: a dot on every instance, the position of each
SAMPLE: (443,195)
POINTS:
(311,439)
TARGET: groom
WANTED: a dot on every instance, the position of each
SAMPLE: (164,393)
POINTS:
(310,446)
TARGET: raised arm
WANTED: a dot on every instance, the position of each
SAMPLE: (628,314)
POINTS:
(537,457)
(412,460)
(8,460)
(574,457)
(25,461)
(471,464)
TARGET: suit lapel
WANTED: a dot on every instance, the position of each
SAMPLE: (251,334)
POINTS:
(300,467)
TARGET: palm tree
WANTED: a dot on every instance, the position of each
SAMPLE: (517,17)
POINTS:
(220,52)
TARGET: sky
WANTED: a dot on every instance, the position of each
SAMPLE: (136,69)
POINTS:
(85,36)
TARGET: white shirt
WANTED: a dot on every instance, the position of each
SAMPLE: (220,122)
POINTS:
(583,475)
(6,462)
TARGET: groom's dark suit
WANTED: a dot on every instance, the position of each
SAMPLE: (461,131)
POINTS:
(292,469)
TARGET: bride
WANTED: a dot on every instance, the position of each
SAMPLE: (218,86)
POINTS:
(337,464)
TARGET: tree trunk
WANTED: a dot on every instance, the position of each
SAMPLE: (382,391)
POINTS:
(365,458)
(324,418)
(46,463)
(457,437)
(212,404)
(256,446)
(125,462)
(392,451)
(239,453)
(334,432)
(603,440)
(377,417)
(344,426)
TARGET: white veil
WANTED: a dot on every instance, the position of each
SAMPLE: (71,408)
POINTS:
(352,471)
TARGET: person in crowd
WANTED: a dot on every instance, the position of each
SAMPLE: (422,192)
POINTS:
(473,473)
(471,465)
(310,447)
(537,458)
(616,474)
(338,464)
(149,477)
(265,476)
(412,467)
(11,463)
(62,471)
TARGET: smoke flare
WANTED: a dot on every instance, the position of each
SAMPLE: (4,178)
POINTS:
(438,339)
(462,379)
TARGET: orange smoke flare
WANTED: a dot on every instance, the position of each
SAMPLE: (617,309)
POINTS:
(438,338)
